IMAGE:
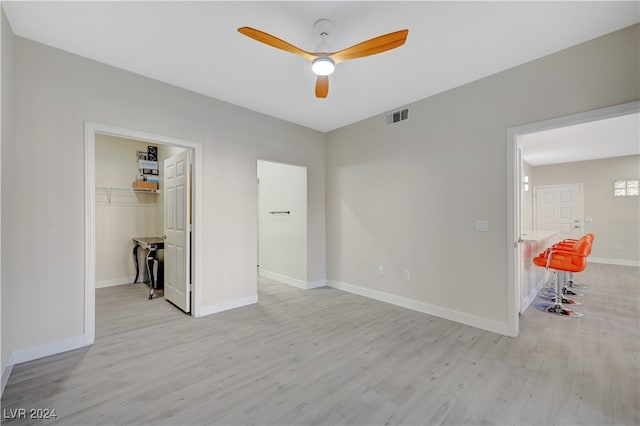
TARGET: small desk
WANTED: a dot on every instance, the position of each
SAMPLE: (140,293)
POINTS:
(152,244)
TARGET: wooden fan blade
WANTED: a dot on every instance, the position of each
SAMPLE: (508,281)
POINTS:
(322,86)
(273,41)
(371,47)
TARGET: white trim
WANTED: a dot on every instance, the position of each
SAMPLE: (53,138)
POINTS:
(283,279)
(513,185)
(231,304)
(40,351)
(513,249)
(90,232)
(620,262)
(113,282)
(295,282)
(6,373)
(91,129)
(438,311)
(316,284)
(46,349)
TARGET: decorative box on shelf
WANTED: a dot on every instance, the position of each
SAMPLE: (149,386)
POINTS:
(140,184)
(146,164)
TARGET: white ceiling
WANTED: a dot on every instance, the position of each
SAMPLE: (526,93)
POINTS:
(194,45)
(612,137)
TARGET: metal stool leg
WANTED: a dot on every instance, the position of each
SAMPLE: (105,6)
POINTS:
(556,308)
(572,284)
(567,290)
(553,296)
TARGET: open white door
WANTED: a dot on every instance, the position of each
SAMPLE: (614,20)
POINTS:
(176,231)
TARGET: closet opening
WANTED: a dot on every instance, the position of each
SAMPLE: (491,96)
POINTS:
(142,209)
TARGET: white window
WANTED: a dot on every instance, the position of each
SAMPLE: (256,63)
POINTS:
(626,188)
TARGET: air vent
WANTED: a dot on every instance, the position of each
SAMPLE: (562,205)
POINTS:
(397,116)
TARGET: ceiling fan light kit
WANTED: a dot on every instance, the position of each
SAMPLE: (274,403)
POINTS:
(323,63)
(323,66)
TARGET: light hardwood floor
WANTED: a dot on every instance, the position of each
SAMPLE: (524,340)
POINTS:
(323,356)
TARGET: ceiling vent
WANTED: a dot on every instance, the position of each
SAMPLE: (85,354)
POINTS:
(397,116)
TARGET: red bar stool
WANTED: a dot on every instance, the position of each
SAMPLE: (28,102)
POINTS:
(562,259)
(569,244)
(570,284)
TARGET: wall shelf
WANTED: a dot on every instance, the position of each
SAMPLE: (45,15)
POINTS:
(108,190)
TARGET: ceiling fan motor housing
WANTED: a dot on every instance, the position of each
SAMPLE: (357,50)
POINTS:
(323,27)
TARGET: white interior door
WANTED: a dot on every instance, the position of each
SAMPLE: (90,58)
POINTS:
(559,209)
(177,284)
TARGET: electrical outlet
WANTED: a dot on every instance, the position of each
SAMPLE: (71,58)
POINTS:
(618,246)
(407,275)
(381,270)
(222,277)
(482,225)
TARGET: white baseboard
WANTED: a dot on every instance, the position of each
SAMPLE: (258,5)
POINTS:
(40,351)
(46,349)
(305,285)
(461,317)
(231,304)
(620,262)
(6,372)
(113,282)
(316,284)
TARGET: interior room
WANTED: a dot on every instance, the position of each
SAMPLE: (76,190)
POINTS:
(352,238)
(130,212)
(282,222)
(574,157)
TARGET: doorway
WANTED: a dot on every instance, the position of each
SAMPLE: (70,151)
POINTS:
(282,222)
(91,131)
(515,184)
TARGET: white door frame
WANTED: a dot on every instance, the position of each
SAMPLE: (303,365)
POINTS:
(514,185)
(90,131)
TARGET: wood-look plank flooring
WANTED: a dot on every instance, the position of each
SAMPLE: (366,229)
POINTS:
(323,356)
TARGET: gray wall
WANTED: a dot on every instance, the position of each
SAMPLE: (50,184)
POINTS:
(616,220)
(408,195)
(43,208)
(7,136)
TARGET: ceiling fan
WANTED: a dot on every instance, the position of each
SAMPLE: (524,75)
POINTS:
(323,62)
